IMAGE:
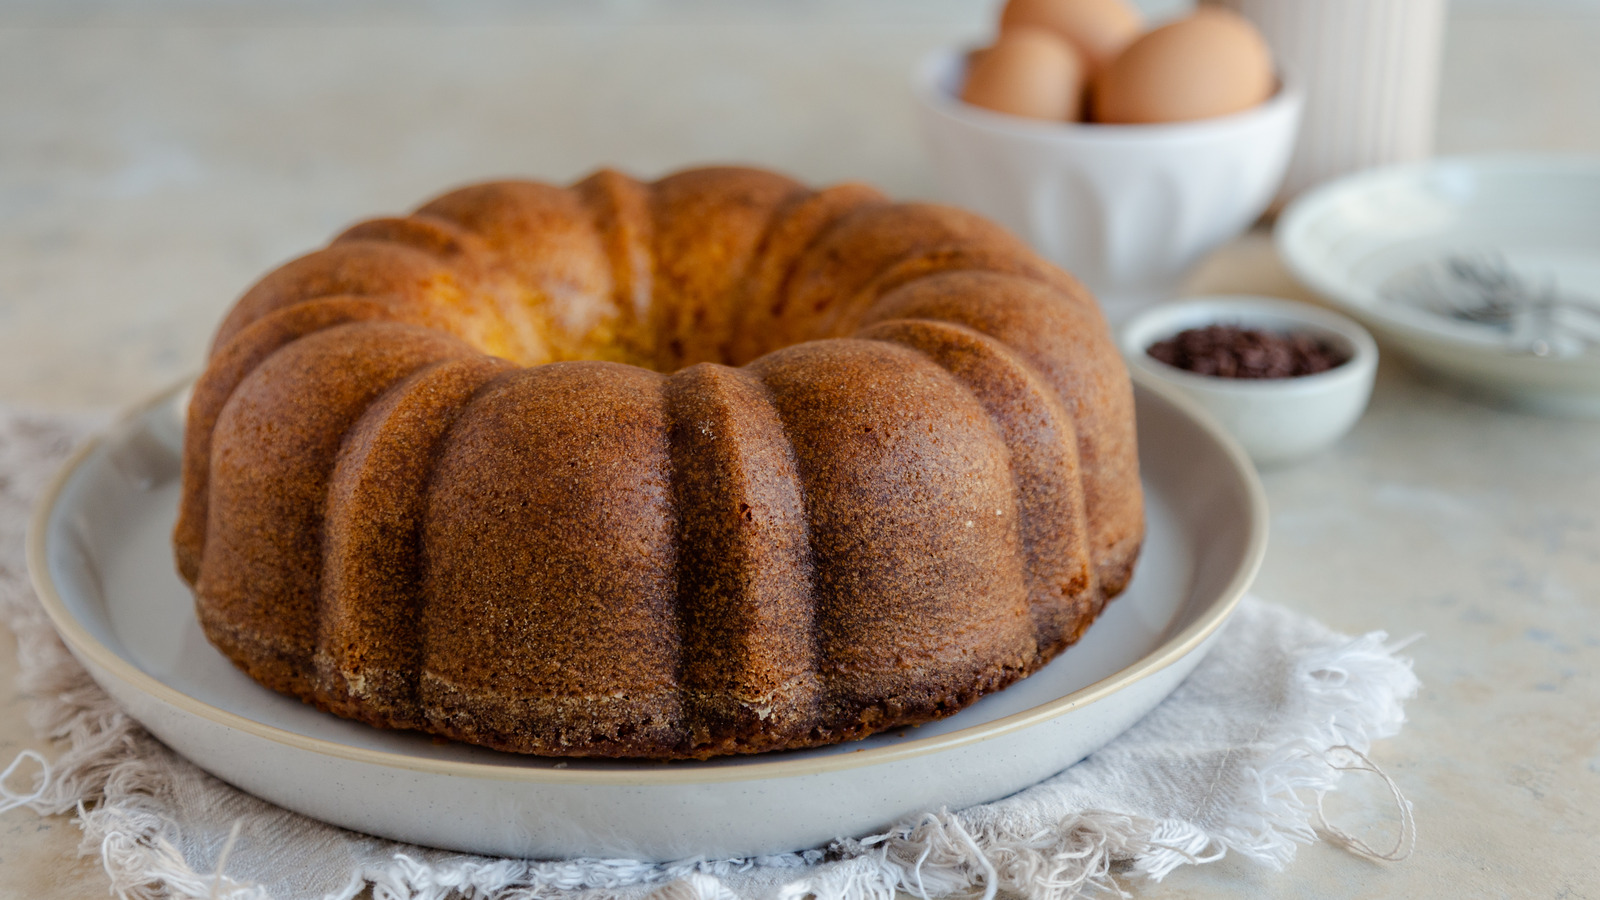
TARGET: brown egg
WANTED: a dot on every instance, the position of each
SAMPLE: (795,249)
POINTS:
(1028,72)
(1098,29)
(1210,64)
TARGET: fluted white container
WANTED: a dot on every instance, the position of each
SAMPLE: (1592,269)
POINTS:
(1370,69)
(1128,209)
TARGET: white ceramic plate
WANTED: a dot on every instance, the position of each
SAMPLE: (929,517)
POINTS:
(1350,240)
(99,553)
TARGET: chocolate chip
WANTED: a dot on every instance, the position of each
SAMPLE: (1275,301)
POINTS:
(1227,351)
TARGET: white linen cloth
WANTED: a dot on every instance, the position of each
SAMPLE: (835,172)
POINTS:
(1236,760)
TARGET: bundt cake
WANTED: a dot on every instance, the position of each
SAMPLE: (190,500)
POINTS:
(715,464)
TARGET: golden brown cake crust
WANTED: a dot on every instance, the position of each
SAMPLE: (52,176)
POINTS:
(715,464)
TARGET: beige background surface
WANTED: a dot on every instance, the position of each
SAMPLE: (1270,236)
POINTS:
(152,165)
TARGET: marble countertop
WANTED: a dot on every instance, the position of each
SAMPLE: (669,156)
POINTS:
(152,166)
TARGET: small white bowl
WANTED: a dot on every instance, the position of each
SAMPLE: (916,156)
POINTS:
(1277,420)
(1128,209)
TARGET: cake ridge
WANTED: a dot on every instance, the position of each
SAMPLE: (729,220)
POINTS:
(372,547)
(256,343)
(362,268)
(563,603)
(1057,340)
(798,215)
(440,238)
(275,476)
(843,479)
(745,565)
(872,240)
(984,366)
(563,277)
(750,293)
(626,228)
(708,225)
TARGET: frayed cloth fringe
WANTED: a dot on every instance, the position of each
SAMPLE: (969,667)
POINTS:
(120,781)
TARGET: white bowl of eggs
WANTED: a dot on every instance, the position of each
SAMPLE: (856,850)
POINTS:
(1124,155)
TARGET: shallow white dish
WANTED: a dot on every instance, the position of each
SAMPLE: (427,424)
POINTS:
(99,554)
(1278,420)
(1351,239)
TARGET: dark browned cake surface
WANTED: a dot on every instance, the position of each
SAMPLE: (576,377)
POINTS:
(715,464)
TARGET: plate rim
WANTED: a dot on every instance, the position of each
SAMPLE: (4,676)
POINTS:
(651,772)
